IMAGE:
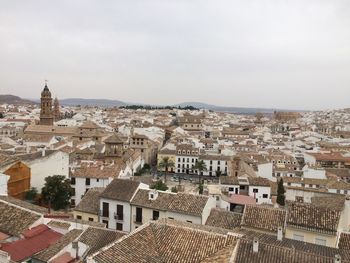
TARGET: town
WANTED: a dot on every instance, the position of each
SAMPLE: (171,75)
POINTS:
(172,184)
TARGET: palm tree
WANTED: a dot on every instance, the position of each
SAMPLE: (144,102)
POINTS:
(165,164)
(200,166)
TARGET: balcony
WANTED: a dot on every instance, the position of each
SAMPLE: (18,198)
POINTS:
(138,220)
(118,217)
(104,213)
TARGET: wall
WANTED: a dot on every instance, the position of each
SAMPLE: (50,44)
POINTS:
(81,187)
(19,182)
(85,216)
(54,164)
(311,236)
(112,223)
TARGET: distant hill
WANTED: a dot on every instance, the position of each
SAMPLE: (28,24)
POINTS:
(92,102)
(11,99)
(227,109)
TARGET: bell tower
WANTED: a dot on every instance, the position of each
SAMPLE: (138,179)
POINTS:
(46,112)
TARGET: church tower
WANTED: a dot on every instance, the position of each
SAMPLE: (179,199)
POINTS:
(46,113)
(56,109)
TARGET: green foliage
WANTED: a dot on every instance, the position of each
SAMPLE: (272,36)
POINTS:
(280,193)
(174,189)
(147,107)
(165,164)
(200,188)
(200,166)
(159,185)
(218,173)
(57,189)
(31,194)
(146,166)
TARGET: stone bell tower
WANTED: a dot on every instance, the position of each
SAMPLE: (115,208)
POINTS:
(46,112)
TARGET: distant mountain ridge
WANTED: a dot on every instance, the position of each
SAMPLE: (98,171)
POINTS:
(117,103)
(15,100)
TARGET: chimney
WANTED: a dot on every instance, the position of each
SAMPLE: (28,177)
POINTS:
(255,245)
(337,258)
(43,153)
(101,167)
(280,233)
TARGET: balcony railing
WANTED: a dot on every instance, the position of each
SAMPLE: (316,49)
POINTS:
(137,219)
(118,217)
(104,213)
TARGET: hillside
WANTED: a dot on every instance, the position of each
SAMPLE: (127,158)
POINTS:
(11,99)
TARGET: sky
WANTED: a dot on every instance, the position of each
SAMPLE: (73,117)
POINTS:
(289,54)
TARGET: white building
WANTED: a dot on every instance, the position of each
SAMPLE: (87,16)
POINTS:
(149,205)
(256,187)
(115,208)
(44,164)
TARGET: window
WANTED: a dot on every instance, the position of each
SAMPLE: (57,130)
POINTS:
(79,217)
(119,226)
(298,237)
(120,214)
(72,180)
(72,202)
(91,219)
(265,196)
(320,241)
(155,215)
(87,181)
(105,209)
(105,222)
(138,217)
(255,190)
(188,221)
(97,180)
(179,159)
(171,218)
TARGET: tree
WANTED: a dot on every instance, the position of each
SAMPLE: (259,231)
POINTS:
(218,173)
(200,166)
(159,185)
(200,188)
(31,194)
(174,189)
(57,192)
(165,164)
(280,193)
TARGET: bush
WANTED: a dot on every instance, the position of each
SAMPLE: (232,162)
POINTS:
(159,185)
(174,189)
(31,194)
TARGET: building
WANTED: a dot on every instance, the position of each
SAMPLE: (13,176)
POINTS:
(46,112)
(255,187)
(19,175)
(149,205)
(89,207)
(115,208)
(56,110)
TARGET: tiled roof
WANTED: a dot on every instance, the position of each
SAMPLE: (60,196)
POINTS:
(225,219)
(313,218)
(114,139)
(344,241)
(97,238)
(24,204)
(52,250)
(161,242)
(14,220)
(120,189)
(38,239)
(97,172)
(264,218)
(59,224)
(271,250)
(90,202)
(180,202)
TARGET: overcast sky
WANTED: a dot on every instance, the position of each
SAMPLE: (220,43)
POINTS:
(253,53)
